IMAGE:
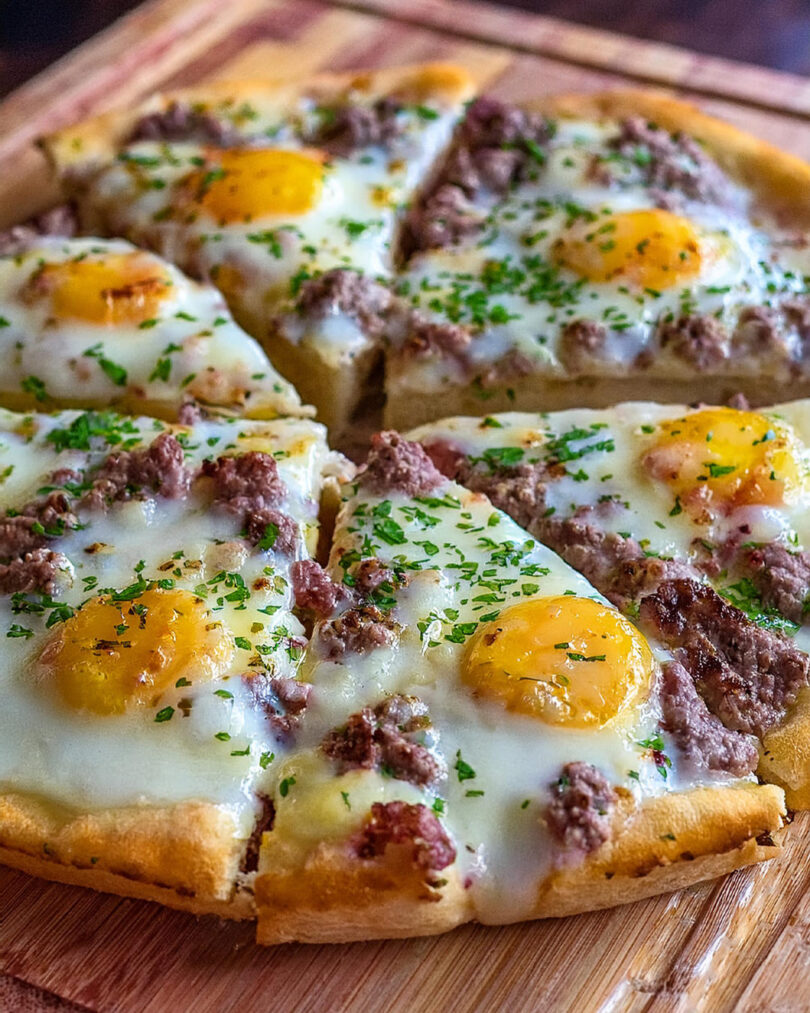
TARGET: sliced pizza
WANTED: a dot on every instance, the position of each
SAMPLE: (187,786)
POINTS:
(484,734)
(101,324)
(571,250)
(150,650)
(691,520)
(286,195)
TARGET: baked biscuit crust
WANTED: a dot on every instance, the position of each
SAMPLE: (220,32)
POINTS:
(185,856)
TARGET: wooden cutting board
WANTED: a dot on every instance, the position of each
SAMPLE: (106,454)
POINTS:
(742,943)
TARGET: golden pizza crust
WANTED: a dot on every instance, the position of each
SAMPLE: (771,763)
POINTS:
(715,831)
(780,181)
(785,753)
(408,406)
(333,896)
(96,140)
(186,856)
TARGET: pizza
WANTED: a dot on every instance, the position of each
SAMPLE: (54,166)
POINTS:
(693,522)
(150,651)
(516,664)
(484,735)
(575,251)
(548,255)
(99,323)
(287,196)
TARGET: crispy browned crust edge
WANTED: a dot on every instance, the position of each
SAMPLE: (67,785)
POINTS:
(185,856)
(98,138)
(336,897)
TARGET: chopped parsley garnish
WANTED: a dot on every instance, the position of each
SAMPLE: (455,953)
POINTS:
(462,768)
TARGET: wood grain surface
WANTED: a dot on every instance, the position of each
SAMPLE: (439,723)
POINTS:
(742,943)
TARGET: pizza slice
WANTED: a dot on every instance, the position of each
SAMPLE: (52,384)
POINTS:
(150,651)
(570,250)
(483,738)
(691,520)
(99,323)
(286,195)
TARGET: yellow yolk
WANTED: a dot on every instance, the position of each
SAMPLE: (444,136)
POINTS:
(726,458)
(121,288)
(242,185)
(564,660)
(111,656)
(651,249)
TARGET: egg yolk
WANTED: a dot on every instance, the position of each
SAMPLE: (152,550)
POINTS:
(111,656)
(245,184)
(565,660)
(724,458)
(122,288)
(650,249)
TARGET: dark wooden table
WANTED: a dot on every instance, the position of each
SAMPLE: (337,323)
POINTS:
(774,33)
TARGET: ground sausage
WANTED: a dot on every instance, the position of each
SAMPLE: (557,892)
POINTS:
(343,129)
(129,474)
(700,736)
(314,589)
(35,524)
(396,465)
(580,810)
(747,675)
(35,571)
(406,824)
(282,700)
(673,162)
(59,221)
(347,292)
(384,738)
(181,121)
(701,341)
(357,631)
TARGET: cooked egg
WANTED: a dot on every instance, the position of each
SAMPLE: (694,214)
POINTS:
(565,660)
(648,249)
(109,289)
(246,184)
(113,655)
(725,458)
